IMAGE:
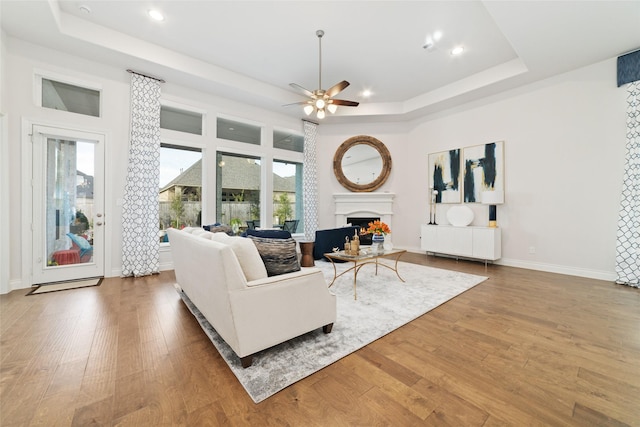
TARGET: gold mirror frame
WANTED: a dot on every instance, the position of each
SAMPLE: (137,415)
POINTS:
(357,140)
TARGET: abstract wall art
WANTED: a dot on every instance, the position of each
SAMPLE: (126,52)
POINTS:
(445,176)
(483,169)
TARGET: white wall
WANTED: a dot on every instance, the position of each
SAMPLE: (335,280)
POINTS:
(564,154)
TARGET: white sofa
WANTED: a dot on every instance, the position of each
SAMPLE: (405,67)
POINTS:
(226,280)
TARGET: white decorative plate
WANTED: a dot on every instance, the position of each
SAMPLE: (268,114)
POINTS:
(460,216)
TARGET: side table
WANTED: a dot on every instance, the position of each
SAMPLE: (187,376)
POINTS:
(306,249)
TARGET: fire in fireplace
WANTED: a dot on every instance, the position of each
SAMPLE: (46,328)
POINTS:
(363,223)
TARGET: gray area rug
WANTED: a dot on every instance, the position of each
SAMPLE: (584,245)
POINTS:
(384,304)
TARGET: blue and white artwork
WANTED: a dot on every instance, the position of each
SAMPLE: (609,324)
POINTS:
(483,170)
(445,176)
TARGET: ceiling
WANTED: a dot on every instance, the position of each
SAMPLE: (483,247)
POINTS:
(250,51)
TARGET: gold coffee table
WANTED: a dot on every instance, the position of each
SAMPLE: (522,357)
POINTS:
(365,257)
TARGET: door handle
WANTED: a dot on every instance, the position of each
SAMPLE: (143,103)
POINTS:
(98,223)
(99,215)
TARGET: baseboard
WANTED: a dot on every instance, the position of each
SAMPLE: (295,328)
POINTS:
(609,276)
(17,284)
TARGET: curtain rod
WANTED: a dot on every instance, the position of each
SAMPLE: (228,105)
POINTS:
(145,75)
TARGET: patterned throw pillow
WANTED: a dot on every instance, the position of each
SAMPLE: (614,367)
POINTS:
(279,255)
(219,228)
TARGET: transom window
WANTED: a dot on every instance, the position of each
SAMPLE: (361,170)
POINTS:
(69,97)
(238,131)
(288,141)
(180,120)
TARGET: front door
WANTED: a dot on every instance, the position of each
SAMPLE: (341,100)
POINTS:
(68,204)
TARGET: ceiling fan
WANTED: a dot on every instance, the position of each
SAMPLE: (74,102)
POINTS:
(321,100)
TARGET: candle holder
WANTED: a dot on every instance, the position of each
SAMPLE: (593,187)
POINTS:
(432,206)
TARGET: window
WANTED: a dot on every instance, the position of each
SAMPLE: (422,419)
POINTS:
(288,141)
(238,189)
(69,97)
(238,131)
(287,195)
(180,120)
(180,187)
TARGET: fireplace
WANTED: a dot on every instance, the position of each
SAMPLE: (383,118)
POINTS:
(363,223)
(359,208)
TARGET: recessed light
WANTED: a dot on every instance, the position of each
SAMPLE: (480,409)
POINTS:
(437,35)
(457,50)
(156,15)
(366,93)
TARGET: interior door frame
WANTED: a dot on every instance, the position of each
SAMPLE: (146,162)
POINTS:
(28,126)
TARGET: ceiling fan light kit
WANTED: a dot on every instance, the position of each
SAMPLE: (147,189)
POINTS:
(320,101)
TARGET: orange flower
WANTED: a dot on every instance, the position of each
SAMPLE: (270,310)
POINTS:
(378,227)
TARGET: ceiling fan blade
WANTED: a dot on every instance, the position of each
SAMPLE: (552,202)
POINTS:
(345,103)
(336,89)
(301,89)
(298,103)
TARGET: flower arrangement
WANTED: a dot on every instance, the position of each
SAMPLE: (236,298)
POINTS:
(378,227)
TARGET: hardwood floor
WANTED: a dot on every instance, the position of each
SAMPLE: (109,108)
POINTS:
(523,348)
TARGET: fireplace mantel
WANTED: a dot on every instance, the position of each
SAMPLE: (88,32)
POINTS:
(363,205)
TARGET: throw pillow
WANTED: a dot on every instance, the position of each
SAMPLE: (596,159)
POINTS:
(250,261)
(269,234)
(279,255)
(82,243)
(219,237)
(219,228)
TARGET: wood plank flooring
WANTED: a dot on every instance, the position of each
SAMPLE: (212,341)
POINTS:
(524,348)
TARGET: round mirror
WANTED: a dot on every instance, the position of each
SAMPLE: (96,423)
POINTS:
(362,163)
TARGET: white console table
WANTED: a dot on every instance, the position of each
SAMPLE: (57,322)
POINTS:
(483,243)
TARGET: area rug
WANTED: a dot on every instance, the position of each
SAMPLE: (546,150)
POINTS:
(384,304)
(64,286)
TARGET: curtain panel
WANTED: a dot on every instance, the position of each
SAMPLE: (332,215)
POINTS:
(310,181)
(628,238)
(140,210)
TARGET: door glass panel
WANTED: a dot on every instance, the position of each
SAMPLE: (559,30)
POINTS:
(69,202)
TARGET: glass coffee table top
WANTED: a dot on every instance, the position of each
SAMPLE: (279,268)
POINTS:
(365,256)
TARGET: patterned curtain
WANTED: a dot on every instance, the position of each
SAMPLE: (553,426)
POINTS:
(310,181)
(628,238)
(140,210)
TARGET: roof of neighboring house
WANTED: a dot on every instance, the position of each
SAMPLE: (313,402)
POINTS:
(192,177)
(240,173)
